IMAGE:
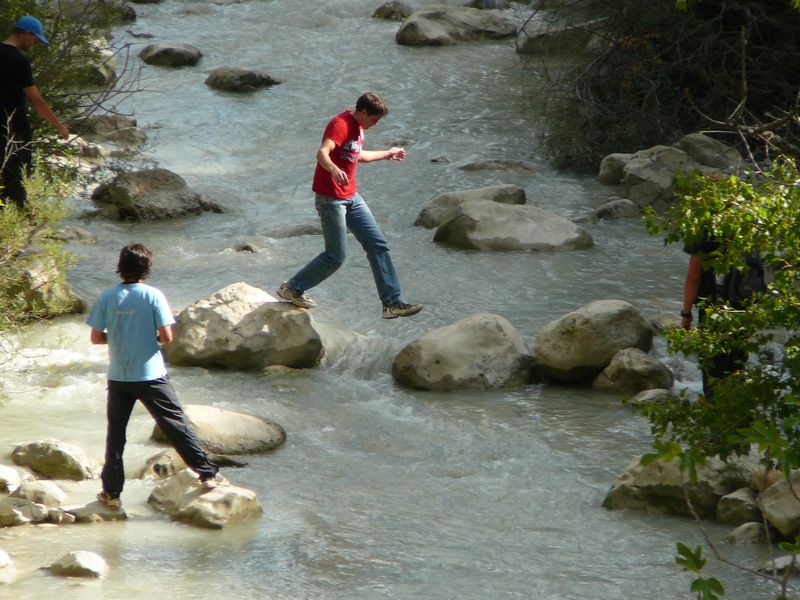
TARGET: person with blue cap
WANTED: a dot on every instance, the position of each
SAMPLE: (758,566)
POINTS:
(17,90)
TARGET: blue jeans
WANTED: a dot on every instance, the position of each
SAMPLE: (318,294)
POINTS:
(337,217)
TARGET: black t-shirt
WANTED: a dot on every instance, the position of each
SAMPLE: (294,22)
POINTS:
(708,279)
(15,75)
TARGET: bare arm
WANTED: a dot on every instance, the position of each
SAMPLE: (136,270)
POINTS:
(390,154)
(324,160)
(691,288)
(165,334)
(44,110)
(98,337)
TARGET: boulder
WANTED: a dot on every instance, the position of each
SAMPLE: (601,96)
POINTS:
(42,284)
(649,176)
(478,225)
(243,327)
(19,511)
(782,565)
(96,512)
(183,499)
(120,130)
(162,465)
(228,432)
(41,492)
(440,25)
(632,371)
(482,351)
(781,507)
(442,207)
(659,486)
(738,507)
(54,459)
(237,79)
(394,10)
(612,168)
(70,234)
(150,195)
(80,563)
(764,478)
(171,54)
(579,345)
(710,152)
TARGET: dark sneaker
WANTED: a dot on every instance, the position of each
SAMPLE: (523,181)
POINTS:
(302,300)
(109,501)
(213,482)
(400,310)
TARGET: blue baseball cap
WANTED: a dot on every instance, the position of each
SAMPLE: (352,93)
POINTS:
(33,25)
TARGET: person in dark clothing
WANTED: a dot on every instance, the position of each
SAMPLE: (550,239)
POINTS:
(701,282)
(132,317)
(17,89)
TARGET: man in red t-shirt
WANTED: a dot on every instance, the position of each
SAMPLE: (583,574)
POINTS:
(340,208)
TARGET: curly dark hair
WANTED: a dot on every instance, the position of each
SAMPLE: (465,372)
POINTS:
(134,263)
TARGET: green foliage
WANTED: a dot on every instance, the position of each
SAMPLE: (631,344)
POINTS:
(26,243)
(758,406)
(692,561)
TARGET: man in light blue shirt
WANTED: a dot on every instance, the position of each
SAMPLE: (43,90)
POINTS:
(132,318)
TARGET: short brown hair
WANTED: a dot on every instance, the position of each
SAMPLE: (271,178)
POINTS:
(134,263)
(373,104)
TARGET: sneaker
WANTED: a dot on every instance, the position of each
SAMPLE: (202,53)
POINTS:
(114,503)
(213,482)
(400,310)
(302,300)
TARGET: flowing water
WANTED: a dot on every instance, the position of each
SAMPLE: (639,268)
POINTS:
(379,492)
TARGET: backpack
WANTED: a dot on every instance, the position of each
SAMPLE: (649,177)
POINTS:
(739,284)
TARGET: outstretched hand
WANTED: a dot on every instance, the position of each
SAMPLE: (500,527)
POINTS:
(396,154)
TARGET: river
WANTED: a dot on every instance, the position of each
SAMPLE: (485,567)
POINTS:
(379,491)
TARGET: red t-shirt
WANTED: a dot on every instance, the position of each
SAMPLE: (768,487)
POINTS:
(348,136)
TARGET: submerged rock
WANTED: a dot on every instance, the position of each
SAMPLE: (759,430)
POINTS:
(632,371)
(443,207)
(80,563)
(171,54)
(237,79)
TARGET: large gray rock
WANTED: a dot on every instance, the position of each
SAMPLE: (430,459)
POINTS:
(481,225)
(781,507)
(559,39)
(80,563)
(41,492)
(442,207)
(632,371)
(19,511)
(228,432)
(659,486)
(649,176)
(54,459)
(481,351)
(183,499)
(242,327)
(42,284)
(237,79)
(612,167)
(440,25)
(710,152)
(619,208)
(96,512)
(171,54)
(748,533)
(150,195)
(582,343)
(739,507)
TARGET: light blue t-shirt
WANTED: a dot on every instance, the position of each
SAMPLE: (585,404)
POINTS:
(130,313)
